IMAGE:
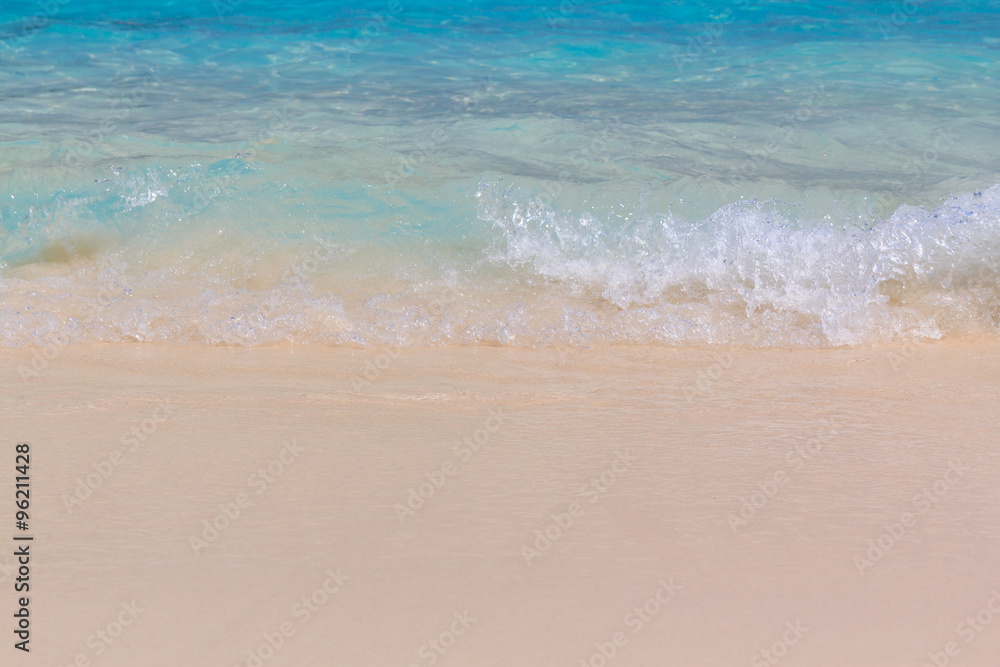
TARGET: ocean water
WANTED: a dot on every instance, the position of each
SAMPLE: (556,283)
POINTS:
(420,173)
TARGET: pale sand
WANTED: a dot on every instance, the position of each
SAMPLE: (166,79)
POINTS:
(902,415)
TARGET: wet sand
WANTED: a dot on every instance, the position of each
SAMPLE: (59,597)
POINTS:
(491,506)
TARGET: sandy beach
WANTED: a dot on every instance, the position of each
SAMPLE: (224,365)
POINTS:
(477,506)
(392,333)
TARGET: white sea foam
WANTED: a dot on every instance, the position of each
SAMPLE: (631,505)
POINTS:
(527,275)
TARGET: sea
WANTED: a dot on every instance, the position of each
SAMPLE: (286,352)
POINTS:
(763,173)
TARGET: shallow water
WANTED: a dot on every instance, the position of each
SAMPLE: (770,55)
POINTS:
(400,172)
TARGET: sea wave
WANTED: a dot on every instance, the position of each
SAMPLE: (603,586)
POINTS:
(531,275)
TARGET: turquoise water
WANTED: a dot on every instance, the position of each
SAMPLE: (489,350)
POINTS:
(763,173)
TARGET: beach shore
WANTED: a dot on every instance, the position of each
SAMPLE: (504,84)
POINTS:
(494,506)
